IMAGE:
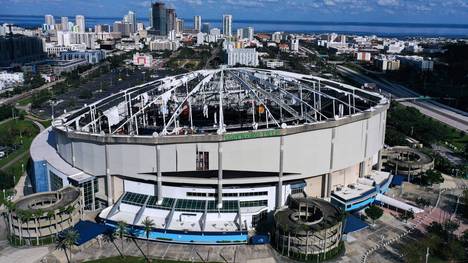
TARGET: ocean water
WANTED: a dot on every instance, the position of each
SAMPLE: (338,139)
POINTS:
(358,28)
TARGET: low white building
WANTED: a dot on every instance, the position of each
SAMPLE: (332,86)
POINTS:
(417,62)
(161,44)
(242,56)
(8,80)
(363,56)
(67,38)
(142,60)
(273,63)
(387,63)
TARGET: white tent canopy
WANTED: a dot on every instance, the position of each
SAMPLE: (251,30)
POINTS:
(397,203)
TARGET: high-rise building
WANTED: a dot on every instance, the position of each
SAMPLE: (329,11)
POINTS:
(80,22)
(140,26)
(294,44)
(101,28)
(227,25)
(170,19)
(49,20)
(131,19)
(179,26)
(250,33)
(240,33)
(197,23)
(122,27)
(159,19)
(18,49)
(205,28)
(64,22)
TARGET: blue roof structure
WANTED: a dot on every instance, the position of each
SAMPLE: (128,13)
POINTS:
(89,230)
(398,179)
(353,224)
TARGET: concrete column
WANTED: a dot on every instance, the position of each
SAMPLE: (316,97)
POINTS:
(73,154)
(279,194)
(379,161)
(362,169)
(325,190)
(220,175)
(93,203)
(110,185)
(329,185)
(159,175)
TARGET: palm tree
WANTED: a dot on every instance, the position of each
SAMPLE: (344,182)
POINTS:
(70,209)
(20,220)
(109,236)
(37,222)
(51,214)
(121,230)
(66,241)
(148,225)
(27,215)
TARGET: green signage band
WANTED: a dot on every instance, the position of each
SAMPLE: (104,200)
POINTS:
(251,135)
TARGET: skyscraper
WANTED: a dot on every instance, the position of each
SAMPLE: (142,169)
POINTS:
(197,23)
(250,33)
(227,25)
(240,33)
(49,20)
(131,19)
(205,28)
(179,26)
(64,22)
(159,19)
(80,23)
(171,19)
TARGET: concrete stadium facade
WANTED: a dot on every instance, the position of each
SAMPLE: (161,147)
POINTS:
(222,172)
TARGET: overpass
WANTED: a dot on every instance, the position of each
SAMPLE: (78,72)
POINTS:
(455,118)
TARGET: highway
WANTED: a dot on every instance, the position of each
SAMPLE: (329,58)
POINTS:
(453,117)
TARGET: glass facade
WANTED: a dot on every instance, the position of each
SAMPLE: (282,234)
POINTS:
(56,183)
(89,193)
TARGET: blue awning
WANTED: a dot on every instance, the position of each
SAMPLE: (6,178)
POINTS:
(89,230)
(298,185)
(353,224)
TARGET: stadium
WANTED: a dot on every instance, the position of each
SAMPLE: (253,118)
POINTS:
(209,154)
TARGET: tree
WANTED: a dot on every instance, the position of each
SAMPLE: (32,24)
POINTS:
(450,227)
(465,202)
(37,221)
(148,225)
(407,215)
(7,180)
(49,215)
(121,231)
(431,177)
(109,236)
(66,241)
(374,212)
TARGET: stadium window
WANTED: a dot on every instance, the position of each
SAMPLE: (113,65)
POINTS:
(203,161)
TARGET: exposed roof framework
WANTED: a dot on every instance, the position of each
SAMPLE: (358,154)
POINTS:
(218,101)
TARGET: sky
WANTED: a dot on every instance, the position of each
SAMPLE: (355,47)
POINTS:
(398,11)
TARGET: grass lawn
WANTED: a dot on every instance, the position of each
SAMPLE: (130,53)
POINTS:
(26,140)
(25,101)
(131,259)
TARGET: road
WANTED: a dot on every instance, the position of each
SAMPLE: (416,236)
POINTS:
(26,94)
(49,85)
(453,117)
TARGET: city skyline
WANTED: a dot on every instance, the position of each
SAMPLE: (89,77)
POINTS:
(387,11)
